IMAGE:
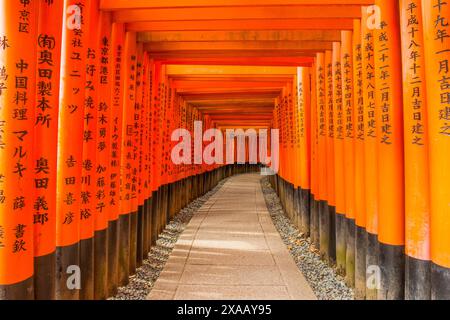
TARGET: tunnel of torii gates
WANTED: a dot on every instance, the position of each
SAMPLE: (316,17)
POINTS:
(90,92)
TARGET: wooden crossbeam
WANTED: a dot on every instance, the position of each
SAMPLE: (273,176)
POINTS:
(239,45)
(228,70)
(250,35)
(262,24)
(244,61)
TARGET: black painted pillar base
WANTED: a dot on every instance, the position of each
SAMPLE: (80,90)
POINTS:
(18,291)
(314,220)
(417,279)
(101,264)
(440,282)
(44,277)
(324,230)
(124,249)
(332,215)
(341,244)
(350,252)
(133,241)
(392,263)
(305,211)
(113,257)
(66,257)
(140,235)
(87,269)
(372,267)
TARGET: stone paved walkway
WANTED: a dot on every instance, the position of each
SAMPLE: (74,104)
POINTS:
(231,250)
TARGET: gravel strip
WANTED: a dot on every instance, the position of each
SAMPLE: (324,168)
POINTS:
(142,282)
(323,279)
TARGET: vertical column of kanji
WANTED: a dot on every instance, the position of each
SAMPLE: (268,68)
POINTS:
(156,70)
(389,113)
(296,142)
(147,144)
(144,154)
(370,153)
(293,153)
(166,146)
(160,148)
(288,155)
(46,129)
(173,194)
(103,157)
(89,163)
(314,215)
(360,210)
(282,159)
(417,202)
(171,116)
(70,148)
(331,198)
(138,202)
(283,155)
(163,147)
(339,168)
(349,157)
(126,168)
(294,162)
(324,217)
(17,91)
(133,125)
(115,126)
(304,100)
(436,16)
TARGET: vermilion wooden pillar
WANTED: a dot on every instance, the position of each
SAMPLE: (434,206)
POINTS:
(127,156)
(339,168)
(349,152)
(89,160)
(322,59)
(417,192)
(305,146)
(370,156)
(359,140)
(314,221)
(17,117)
(116,114)
(103,156)
(70,149)
(45,154)
(389,115)
(436,27)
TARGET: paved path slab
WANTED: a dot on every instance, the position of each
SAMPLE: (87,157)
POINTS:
(231,250)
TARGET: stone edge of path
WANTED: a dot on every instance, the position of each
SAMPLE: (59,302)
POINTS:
(323,279)
(165,288)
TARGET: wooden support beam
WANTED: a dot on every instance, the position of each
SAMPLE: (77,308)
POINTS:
(215,54)
(249,35)
(244,61)
(228,70)
(193,97)
(234,78)
(146,4)
(238,45)
(227,84)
